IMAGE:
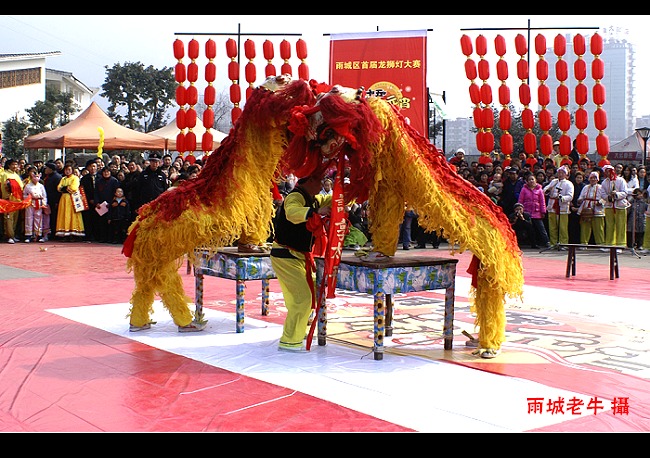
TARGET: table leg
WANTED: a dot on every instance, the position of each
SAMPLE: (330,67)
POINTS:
(322,322)
(613,263)
(572,250)
(448,326)
(379,323)
(198,296)
(265,297)
(239,308)
(389,315)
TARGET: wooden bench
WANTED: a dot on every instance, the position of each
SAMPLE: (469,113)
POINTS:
(571,257)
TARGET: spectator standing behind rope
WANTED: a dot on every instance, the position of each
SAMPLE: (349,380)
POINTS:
(592,212)
(51,181)
(560,195)
(297,219)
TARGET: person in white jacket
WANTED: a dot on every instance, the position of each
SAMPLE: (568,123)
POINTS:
(592,212)
(613,196)
(560,195)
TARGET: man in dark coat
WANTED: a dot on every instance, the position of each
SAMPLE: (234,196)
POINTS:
(151,183)
(51,178)
(90,216)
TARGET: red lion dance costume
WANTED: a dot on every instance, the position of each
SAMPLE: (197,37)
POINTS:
(290,126)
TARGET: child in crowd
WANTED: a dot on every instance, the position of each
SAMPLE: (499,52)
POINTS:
(119,216)
(34,213)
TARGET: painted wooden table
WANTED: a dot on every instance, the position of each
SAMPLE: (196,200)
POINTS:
(383,279)
(229,263)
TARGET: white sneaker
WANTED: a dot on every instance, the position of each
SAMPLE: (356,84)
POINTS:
(11,241)
(28,240)
(619,250)
(42,240)
(604,250)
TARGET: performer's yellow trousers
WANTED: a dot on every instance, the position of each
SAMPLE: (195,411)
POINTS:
(595,225)
(292,276)
(558,228)
(616,227)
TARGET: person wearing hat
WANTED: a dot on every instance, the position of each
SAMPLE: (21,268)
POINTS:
(522,225)
(51,178)
(458,157)
(560,194)
(591,211)
(555,154)
(298,219)
(151,182)
(613,196)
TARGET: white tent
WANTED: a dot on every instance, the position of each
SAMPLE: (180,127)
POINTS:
(171,131)
(627,150)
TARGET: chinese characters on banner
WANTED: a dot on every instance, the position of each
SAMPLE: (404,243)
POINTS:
(392,64)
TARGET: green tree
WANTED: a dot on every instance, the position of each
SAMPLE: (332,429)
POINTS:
(144,94)
(64,103)
(14,130)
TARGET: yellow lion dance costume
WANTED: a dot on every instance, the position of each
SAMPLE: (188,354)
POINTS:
(301,127)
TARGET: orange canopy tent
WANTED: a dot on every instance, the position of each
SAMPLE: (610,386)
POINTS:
(83,132)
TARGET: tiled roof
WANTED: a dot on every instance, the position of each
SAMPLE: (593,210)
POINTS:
(30,55)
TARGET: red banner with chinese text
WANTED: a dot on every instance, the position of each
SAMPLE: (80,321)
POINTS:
(392,64)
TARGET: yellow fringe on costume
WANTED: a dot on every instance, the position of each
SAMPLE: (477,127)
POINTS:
(245,207)
(467,217)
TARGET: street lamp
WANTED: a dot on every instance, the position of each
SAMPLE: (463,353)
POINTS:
(644,133)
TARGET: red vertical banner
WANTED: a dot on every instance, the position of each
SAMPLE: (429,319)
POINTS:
(391,64)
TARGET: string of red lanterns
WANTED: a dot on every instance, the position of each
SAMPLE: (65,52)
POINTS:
(505,116)
(600,116)
(544,98)
(527,116)
(209,97)
(581,115)
(180,75)
(563,117)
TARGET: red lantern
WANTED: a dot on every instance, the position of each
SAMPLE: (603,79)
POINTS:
(179,73)
(180,142)
(502,69)
(522,69)
(596,45)
(599,94)
(231,48)
(466,46)
(285,50)
(470,69)
(600,119)
(527,118)
(483,69)
(478,118)
(507,144)
(481,46)
(565,144)
(190,118)
(474,93)
(505,119)
(233,70)
(579,45)
(179,49)
(520,45)
(504,94)
(597,69)
(582,118)
(540,45)
(303,71)
(530,143)
(207,141)
(564,120)
(562,93)
(208,118)
(542,70)
(500,48)
(192,72)
(251,73)
(487,118)
(546,144)
(486,94)
(235,114)
(235,93)
(301,49)
(193,49)
(190,141)
(543,95)
(484,159)
(561,70)
(580,69)
(210,72)
(249,49)
(524,94)
(581,93)
(545,119)
(559,45)
(181,95)
(602,144)
(192,95)
(180,119)
(210,49)
(582,143)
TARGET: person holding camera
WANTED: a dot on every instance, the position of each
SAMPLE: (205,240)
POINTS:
(523,226)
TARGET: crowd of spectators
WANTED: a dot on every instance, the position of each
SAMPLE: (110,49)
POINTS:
(114,189)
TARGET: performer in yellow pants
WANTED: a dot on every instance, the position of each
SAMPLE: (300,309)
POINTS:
(560,193)
(298,218)
(613,196)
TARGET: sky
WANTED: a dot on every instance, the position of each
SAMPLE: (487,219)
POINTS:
(90,43)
